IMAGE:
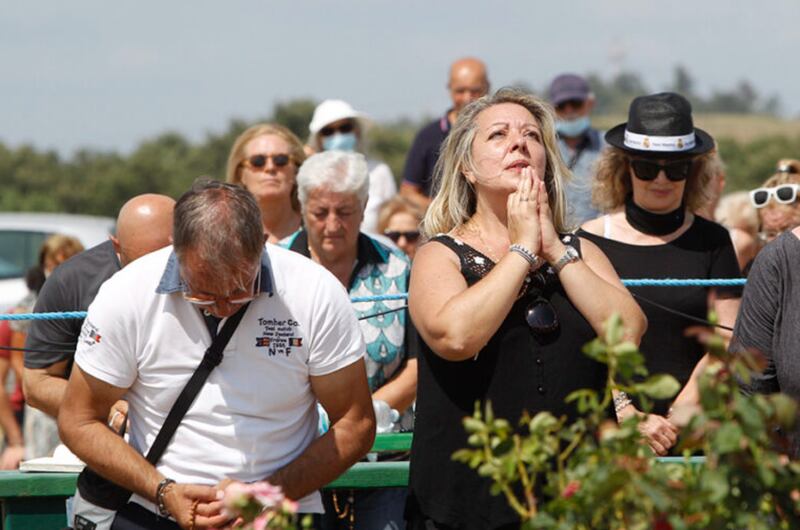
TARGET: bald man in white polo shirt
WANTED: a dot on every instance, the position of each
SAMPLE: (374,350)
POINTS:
(255,418)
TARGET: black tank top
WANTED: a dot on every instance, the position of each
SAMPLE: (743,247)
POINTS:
(517,371)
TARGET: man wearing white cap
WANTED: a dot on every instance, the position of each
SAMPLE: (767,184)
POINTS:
(336,125)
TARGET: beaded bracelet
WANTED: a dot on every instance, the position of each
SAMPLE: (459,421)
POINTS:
(533,260)
(161,491)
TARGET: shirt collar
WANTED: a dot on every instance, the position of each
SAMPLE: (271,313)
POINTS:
(171,281)
(369,252)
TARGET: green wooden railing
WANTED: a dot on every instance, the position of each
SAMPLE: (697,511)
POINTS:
(37,501)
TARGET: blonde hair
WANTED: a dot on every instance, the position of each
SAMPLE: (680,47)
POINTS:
(612,179)
(233,171)
(58,248)
(394,206)
(735,211)
(454,199)
(781,177)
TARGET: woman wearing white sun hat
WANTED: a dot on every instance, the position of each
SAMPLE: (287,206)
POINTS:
(336,125)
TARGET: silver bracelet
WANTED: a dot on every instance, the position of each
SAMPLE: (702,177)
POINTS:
(533,260)
(621,400)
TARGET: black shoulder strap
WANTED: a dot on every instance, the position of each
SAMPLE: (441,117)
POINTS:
(211,359)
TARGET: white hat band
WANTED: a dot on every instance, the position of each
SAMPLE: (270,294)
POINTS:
(642,142)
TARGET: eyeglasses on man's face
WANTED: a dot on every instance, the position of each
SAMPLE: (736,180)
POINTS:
(207,299)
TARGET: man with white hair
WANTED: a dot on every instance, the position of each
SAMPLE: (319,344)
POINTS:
(293,342)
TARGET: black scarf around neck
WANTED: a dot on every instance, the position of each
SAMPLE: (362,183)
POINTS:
(654,224)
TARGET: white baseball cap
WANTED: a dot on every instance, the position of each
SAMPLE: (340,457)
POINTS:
(332,110)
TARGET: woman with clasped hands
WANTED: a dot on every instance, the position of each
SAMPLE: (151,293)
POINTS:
(503,299)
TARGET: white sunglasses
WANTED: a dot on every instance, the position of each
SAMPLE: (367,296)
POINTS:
(784,194)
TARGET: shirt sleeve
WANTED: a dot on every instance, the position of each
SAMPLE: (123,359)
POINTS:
(754,329)
(52,340)
(107,342)
(336,339)
(382,180)
(415,168)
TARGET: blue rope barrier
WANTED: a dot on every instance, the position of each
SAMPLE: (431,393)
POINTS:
(669,282)
(644,282)
(44,316)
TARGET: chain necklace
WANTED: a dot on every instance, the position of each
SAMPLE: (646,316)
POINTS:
(485,246)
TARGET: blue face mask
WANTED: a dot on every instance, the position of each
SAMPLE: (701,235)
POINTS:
(573,128)
(340,142)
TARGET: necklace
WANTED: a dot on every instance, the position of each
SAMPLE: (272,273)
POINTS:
(484,246)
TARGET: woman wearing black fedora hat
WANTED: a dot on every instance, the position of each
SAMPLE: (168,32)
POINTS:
(649,182)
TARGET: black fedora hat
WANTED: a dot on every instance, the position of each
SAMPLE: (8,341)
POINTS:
(660,126)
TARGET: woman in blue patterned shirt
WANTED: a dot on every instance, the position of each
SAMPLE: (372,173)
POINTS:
(333,189)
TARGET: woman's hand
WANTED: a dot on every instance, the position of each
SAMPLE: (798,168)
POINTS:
(661,434)
(522,210)
(552,247)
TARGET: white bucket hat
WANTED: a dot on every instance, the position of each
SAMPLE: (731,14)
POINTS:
(332,110)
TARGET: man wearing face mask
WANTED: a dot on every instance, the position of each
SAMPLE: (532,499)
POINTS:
(337,126)
(580,144)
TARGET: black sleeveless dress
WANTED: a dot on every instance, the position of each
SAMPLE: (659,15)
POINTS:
(517,371)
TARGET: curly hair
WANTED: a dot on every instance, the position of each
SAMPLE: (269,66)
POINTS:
(612,180)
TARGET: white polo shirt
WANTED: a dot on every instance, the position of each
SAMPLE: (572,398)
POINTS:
(256,412)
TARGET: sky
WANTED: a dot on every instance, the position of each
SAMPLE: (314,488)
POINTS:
(107,76)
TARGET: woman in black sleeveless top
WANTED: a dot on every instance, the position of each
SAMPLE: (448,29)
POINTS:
(503,302)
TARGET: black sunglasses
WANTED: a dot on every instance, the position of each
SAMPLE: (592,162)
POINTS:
(540,315)
(571,103)
(411,236)
(260,161)
(343,128)
(649,170)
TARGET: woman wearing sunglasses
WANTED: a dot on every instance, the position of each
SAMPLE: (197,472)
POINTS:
(337,126)
(399,220)
(776,202)
(650,181)
(503,299)
(265,159)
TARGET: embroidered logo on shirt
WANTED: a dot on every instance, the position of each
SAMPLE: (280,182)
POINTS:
(278,336)
(90,334)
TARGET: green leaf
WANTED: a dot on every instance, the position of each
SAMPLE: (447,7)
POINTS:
(727,438)
(660,386)
(785,409)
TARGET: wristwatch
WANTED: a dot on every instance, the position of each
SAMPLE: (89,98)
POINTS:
(570,256)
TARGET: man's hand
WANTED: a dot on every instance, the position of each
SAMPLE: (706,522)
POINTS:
(195,506)
(118,415)
(12,456)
